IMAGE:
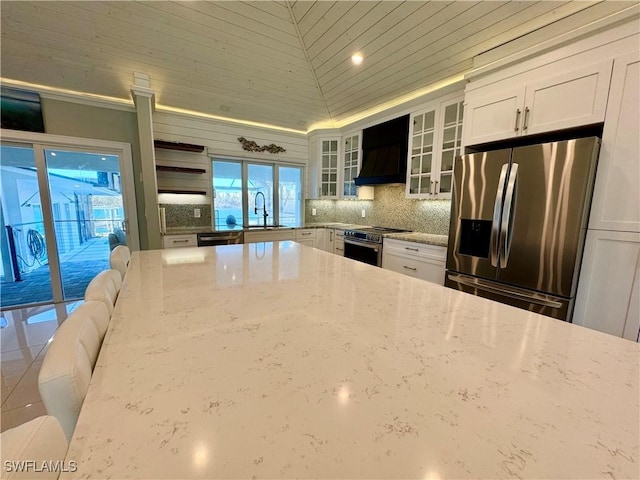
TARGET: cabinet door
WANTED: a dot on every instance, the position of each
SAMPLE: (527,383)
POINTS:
(351,165)
(493,113)
(450,139)
(330,242)
(616,195)
(338,242)
(420,166)
(321,239)
(329,168)
(609,276)
(571,99)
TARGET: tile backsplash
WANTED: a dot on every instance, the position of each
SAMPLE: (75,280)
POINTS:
(183,215)
(389,208)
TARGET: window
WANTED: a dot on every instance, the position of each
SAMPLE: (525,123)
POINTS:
(244,191)
(290,195)
(227,188)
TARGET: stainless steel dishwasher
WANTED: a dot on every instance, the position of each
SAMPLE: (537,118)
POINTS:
(220,238)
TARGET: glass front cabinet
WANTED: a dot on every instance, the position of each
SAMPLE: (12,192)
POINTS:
(435,139)
(334,162)
(351,165)
(329,168)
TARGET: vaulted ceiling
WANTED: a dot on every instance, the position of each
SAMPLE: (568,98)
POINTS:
(284,63)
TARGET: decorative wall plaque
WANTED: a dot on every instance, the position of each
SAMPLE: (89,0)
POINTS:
(251,146)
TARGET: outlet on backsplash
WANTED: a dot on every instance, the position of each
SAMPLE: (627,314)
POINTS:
(196,213)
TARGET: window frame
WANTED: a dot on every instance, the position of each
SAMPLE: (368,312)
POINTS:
(244,164)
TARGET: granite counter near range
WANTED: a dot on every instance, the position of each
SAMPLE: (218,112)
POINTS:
(426,238)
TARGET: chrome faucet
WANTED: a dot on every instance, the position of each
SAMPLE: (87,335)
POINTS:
(264,207)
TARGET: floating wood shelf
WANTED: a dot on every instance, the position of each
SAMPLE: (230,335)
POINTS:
(183,147)
(165,168)
(176,190)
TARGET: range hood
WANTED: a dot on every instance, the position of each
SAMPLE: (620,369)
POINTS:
(384,153)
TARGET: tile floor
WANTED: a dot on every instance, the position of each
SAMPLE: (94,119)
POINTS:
(25,336)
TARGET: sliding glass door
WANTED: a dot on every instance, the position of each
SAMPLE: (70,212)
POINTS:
(62,213)
(26,274)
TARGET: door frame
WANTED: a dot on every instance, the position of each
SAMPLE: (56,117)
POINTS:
(122,149)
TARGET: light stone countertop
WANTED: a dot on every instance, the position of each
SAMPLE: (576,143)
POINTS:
(427,238)
(283,361)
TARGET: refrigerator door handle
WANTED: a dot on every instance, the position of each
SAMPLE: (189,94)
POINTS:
(497,212)
(515,293)
(506,230)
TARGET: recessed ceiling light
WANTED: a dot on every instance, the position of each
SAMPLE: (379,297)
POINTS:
(357,58)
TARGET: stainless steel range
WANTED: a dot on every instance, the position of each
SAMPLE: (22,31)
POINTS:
(365,244)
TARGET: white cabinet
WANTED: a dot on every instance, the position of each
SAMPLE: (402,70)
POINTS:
(609,290)
(330,240)
(176,241)
(616,196)
(306,236)
(435,138)
(537,101)
(320,241)
(418,260)
(351,164)
(323,173)
(338,242)
(252,236)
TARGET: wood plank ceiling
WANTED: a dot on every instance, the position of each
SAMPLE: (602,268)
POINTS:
(285,64)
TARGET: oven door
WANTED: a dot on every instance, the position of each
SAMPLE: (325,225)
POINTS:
(363,251)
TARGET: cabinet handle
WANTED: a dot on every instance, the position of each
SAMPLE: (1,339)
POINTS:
(516,128)
(411,248)
(305,233)
(435,190)
(331,235)
(410,268)
(431,189)
(180,241)
(526,118)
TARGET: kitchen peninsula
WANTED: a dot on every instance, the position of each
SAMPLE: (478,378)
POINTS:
(276,360)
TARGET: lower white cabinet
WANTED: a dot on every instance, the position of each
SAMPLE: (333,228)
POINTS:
(330,240)
(251,236)
(419,260)
(321,238)
(338,242)
(608,297)
(176,241)
(306,236)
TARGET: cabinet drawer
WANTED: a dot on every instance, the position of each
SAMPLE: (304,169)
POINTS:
(415,250)
(305,233)
(175,241)
(425,269)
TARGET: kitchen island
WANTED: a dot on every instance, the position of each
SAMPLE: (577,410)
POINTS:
(277,360)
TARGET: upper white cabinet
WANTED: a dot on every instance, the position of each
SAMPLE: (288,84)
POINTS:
(536,102)
(616,196)
(435,139)
(329,168)
(334,162)
(323,171)
(351,165)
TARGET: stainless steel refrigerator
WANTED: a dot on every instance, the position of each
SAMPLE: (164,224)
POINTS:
(518,224)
